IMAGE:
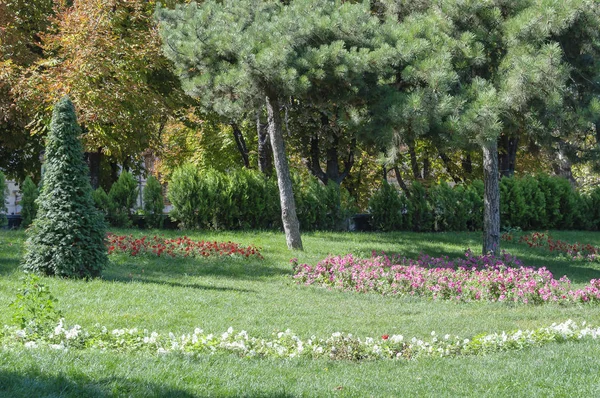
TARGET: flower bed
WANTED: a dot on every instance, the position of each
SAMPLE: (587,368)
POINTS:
(180,247)
(472,278)
(574,251)
(286,344)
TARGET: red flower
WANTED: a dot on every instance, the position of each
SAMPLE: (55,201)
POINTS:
(385,336)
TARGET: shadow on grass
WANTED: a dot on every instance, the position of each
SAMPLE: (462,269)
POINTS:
(122,266)
(137,278)
(37,384)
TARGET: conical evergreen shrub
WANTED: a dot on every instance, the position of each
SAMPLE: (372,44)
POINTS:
(67,236)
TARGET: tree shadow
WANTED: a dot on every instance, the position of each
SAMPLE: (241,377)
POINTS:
(37,384)
(137,278)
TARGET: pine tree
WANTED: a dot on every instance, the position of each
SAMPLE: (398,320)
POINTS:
(66,238)
(28,205)
(265,52)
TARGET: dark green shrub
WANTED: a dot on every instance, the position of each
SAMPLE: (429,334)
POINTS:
(473,199)
(28,206)
(67,236)
(422,213)
(321,207)
(560,202)
(102,201)
(154,204)
(122,198)
(534,214)
(512,203)
(186,194)
(450,212)
(386,207)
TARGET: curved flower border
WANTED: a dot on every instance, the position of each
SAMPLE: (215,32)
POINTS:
(286,344)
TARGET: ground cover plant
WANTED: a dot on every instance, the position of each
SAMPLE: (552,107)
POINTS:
(574,251)
(179,247)
(472,278)
(259,296)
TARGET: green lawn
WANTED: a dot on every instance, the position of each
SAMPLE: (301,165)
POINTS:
(259,296)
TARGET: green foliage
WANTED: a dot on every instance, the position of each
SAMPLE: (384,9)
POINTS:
(3,195)
(67,236)
(102,201)
(153,203)
(386,207)
(246,199)
(34,307)
(28,206)
(421,208)
(321,207)
(122,198)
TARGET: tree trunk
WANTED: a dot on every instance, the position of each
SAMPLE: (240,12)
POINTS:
(241,144)
(265,156)
(507,157)
(93,161)
(291,225)
(491,200)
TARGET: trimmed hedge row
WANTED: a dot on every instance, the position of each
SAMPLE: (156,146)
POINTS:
(246,199)
(529,203)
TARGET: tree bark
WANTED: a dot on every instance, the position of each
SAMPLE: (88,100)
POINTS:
(241,144)
(291,225)
(491,200)
(93,161)
(265,156)
(508,156)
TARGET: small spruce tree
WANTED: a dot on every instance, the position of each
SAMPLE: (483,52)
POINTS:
(28,205)
(67,237)
(153,203)
(122,196)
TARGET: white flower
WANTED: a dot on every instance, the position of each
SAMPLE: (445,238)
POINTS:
(161,351)
(396,338)
(31,344)
(21,333)
(60,346)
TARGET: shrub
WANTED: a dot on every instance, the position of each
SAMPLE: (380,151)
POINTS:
(153,203)
(473,197)
(102,201)
(67,236)
(319,206)
(187,195)
(386,207)
(122,197)
(422,214)
(28,205)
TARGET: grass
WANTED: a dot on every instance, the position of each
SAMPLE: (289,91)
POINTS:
(177,295)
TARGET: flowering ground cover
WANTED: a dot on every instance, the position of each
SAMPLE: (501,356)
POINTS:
(177,247)
(472,278)
(174,295)
(574,251)
(286,344)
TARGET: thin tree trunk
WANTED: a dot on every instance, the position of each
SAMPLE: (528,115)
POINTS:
(491,200)
(291,225)
(401,181)
(508,155)
(93,160)
(265,155)
(241,144)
